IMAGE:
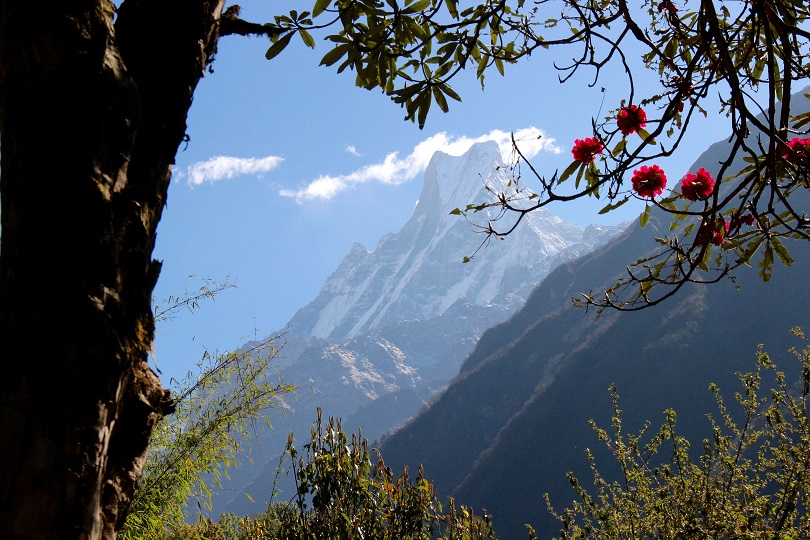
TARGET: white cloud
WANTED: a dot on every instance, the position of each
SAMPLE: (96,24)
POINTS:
(352,150)
(226,167)
(394,170)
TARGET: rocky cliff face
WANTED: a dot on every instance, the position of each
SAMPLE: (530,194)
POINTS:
(392,326)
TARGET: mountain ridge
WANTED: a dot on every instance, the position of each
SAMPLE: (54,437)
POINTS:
(373,288)
(396,323)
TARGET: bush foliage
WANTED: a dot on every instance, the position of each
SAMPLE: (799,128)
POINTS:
(751,480)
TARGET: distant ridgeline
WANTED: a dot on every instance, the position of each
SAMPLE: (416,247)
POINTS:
(390,328)
(515,420)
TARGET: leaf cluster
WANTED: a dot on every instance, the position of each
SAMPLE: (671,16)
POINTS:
(218,408)
(751,480)
(267,525)
(345,493)
(753,55)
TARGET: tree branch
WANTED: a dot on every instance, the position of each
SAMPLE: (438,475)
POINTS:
(230,25)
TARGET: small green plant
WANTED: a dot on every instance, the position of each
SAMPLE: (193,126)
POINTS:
(217,409)
(344,493)
(751,481)
(264,526)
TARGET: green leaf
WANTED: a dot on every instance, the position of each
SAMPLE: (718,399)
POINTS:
(751,248)
(320,7)
(499,65)
(482,65)
(465,260)
(646,286)
(801,120)
(782,252)
(450,92)
(335,54)
(645,136)
(440,99)
(766,264)
(644,218)
(569,171)
(619,147)
(307,38)
(452,8)
(442,71)
(610,207)
(279,46)
(418,6)
(580,172)
(455,212)
(671,47)
(424,106)
(592,175)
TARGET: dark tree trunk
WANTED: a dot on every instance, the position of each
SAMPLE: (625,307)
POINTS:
(92,111)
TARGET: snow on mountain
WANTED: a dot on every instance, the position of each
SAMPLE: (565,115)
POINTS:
(417,274)
(390,328)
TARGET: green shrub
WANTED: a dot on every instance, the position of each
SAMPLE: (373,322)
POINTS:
(342,493)
(752,479)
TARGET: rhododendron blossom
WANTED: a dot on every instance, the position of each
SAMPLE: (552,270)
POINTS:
(586,150)
(798,148)
(713,231)
(738,220)
(631,119)
(669,11)
(697,186)
(649,181)
(720,232)
(667,6)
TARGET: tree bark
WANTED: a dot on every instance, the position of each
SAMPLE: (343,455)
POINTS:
(92,111)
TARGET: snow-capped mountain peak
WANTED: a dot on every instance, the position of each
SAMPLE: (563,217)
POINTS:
(417,273)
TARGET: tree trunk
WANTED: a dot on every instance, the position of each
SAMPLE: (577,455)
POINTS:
(92,111)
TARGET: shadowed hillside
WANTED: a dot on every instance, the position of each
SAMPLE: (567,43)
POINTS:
(515,420)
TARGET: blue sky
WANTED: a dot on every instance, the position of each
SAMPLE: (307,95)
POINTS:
(289,163)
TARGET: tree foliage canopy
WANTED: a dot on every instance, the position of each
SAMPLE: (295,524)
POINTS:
(754,56)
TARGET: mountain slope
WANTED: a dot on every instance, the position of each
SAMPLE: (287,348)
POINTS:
(514,421)
(391,327)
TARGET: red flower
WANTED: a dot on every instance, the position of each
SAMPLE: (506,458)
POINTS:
(798,149)
(720,232)
(668,9)
(586,150)
(697,186)
(667,6)
(714,231)
(738,220)
(649,181)
(631,119)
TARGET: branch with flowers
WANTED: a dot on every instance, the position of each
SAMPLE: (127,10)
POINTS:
(752,54)
(742,211)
